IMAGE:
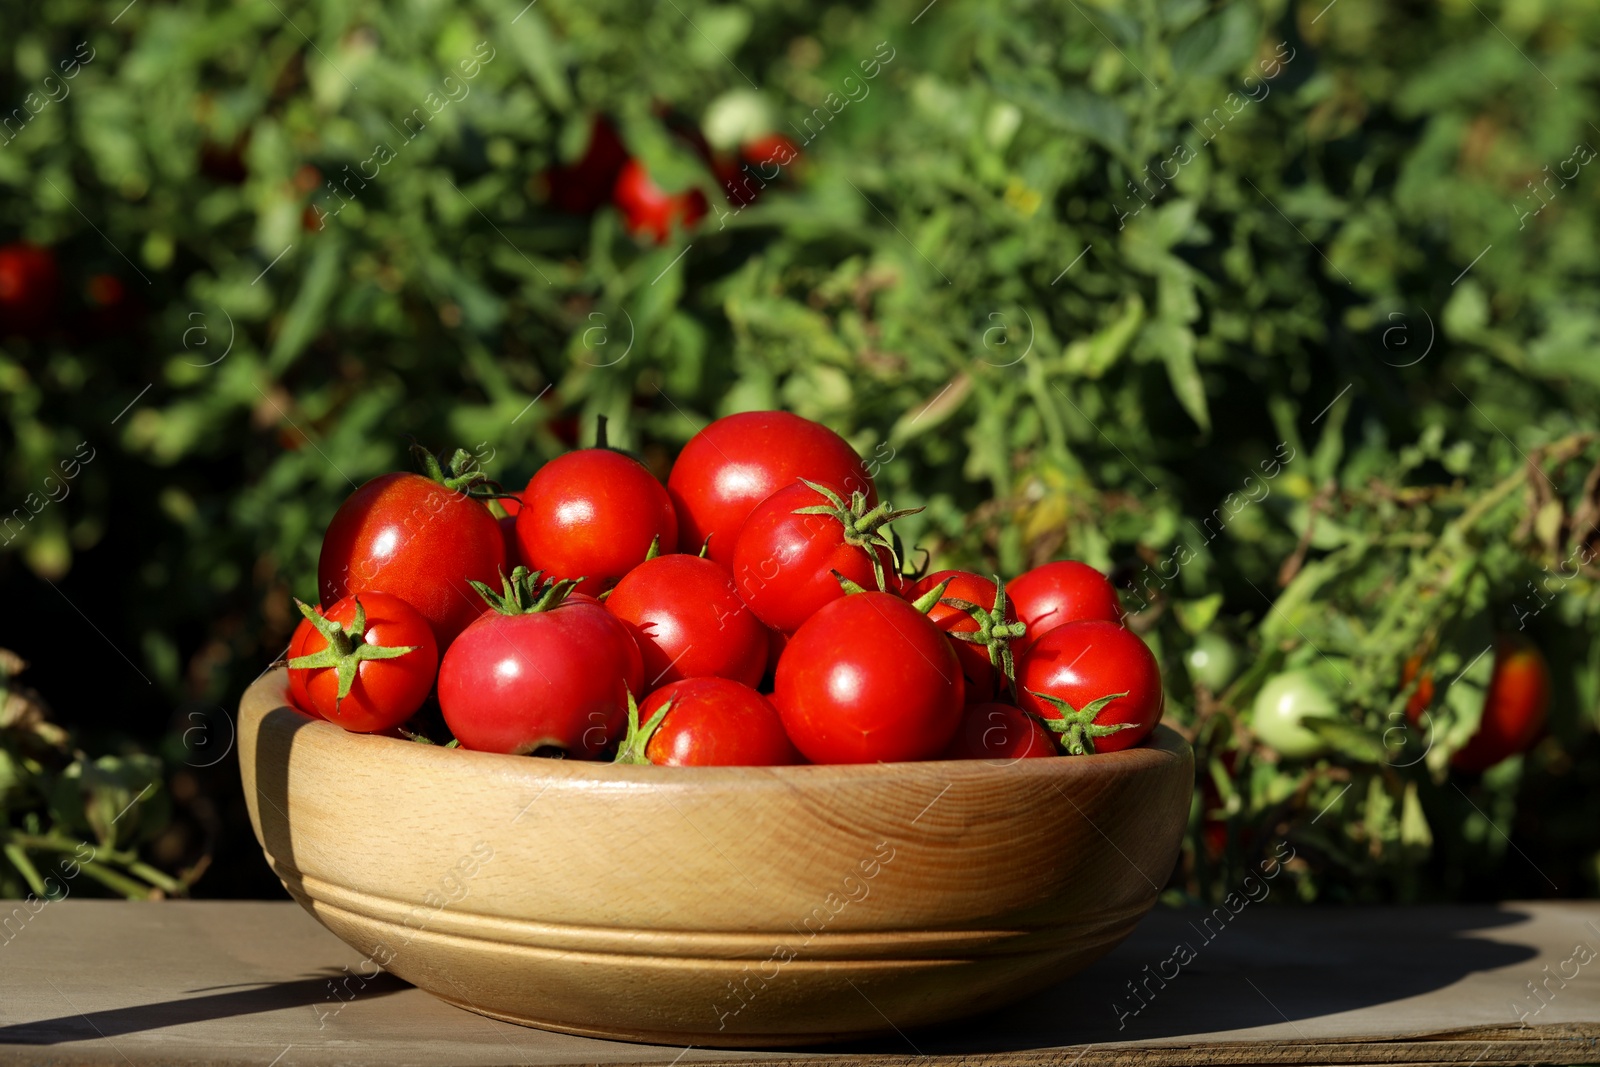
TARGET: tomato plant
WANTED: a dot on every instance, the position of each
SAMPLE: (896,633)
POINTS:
(540,670)
(1057,593)
(796,544)
(1093,682)
(368,663)
(584,185)
(981,632)
(689,621)
(739,460)
(424,539)
(707,722)
(593,515)
(650,211)
(1280,711)
(1213,660)
(869,679)
(999,732)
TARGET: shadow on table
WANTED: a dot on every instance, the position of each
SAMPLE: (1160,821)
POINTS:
(114,1022)
(1268,967)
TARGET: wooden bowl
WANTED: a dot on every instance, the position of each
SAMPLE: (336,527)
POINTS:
(711,907)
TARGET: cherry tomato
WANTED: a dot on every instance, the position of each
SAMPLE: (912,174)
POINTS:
(738,461)
(984,676)
(999,732)
(592,514)
(716,722)
(648,210)
(1061,592)
(30,285)
(1282,706)
(768,150)
(418,539)
(1515,706)
(530,679)
(1081,664)
(869,679)
(385,687)
(584,186)
(1421,697)
(786,555)
(689,621)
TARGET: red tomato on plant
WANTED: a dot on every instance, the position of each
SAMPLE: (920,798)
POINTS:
(738,461)
(593,514)
(708,722)
(649,210)
(999,732)
(539,671)
(967,607)
(769,150)
(586,185)
(30,285)
(1514,707)
(368,664)
(1061,592)
(689,621)
(797,540)
(868,679)
(1095,683)
(424,539)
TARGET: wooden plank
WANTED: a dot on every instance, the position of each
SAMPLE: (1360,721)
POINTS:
(190,983)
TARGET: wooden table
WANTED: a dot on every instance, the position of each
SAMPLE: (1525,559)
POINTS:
(101,982)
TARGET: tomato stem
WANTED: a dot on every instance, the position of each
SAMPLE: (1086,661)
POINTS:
(1077,729)
(863,528)
(637,740)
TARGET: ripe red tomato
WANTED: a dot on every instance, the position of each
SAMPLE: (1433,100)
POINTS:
(1514,707)
(689,621)
(368,663)
(868,679)
(716,722)
(787,553)
(418,539)
(1083,663)
(585,185)
(999,732)
(985,674)
(649,210)
(1061,592)
(30,285)
(592,514)
(738,461)
(769,150)
(518,680)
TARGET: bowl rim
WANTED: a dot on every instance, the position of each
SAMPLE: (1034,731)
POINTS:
(268,696)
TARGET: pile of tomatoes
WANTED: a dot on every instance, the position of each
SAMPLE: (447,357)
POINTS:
(755,610)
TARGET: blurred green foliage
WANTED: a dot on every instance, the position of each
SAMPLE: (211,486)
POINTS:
(1283,313)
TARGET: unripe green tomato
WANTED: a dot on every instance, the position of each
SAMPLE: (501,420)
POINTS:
(1282,704)
(1213,661)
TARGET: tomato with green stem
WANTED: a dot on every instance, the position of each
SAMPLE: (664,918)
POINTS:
(367,664)
(739,460)
(540,671)
(422,538)
(797,540)
(1094,683)
(974,612)
(707,722)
